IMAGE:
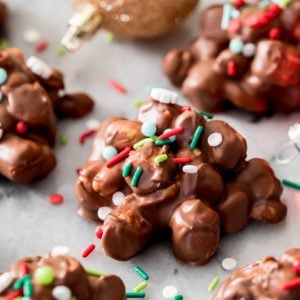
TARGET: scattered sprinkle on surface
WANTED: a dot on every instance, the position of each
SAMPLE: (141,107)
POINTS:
(56,199)
(213,284)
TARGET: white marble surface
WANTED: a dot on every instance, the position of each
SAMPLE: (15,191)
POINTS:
(30,225)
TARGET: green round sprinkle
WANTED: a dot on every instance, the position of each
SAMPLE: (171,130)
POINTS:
(163,142)
(196,137)
(136,177)
(135,295)
(178,297)
(94,273)
(160,158)
(126,170)
(63,138)
(61,50)
(44,275)
(109,37)
(141,286)
(141,143)
(27,289)
(204,113)
(137,103)
(213,284)
(141,273)
(291,184)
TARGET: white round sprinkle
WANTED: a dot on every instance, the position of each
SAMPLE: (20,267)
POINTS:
(6,280)
(103,212)
(229,264)
(235,13)
(60,251)
(39,67)
(169,292)
(191,169)
(92,124)
(215,139)
(31,36)
(294,133)
(117,198)
(61,292)
(249,50)
(164,95)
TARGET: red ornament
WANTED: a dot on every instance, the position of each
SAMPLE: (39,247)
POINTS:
(231,68)
(275,33)
(21,127)
(56,199)
(234,26)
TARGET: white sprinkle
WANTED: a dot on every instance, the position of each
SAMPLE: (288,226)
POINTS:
(229,264)
(39,67)
(61,292)
(191,169)
(169,292)
(92,124)
(117,198)
(249,50)
(164,95)
(60,251)
(103,212)
(294,133)
(31,36)
(235,13)
(6,279)
(215,139)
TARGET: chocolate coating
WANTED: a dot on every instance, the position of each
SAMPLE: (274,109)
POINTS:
(68,272)
(263,279)
(221,195)
(30,101)
(260,73)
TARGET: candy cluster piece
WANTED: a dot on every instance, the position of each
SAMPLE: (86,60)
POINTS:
(31,97)
(246,56)
(268,278)
(58,277)
(3,15)
(190,179)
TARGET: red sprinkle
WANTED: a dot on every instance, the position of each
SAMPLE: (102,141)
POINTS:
(185,108)
(88,250)
(41,46)
(14,295)
(182,160)
(292,284)
(234,26)
(275,33)
(239,3)
(296,266)
(231,68)
(117,86)
(78,170)
(170,133)
(56,199)
(86,135)
(99,232)
(21,127)
(274,9)
(24,270)
(119,157)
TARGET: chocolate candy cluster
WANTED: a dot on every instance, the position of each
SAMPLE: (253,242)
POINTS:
(173,171)
(3,15)
(57,277)
(268,278)
(246,56)
(31,96)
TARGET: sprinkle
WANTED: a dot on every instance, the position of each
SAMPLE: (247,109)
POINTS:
(190,169)
(137,103)
(117,158)
(99,232)
(171,138)
(236,45)
(181,160)
(160,158)
(239,3)
(109,37)
(275,33)
(90,248)
(141,286)
(163,142)
(231,68)
(109,152)
(206,114)
(213,284)
(61,50)
(4,44)
(103,212)
(235,13)
(141,273)
(13,295)
(164,96)
(169,292)
(61,292)
(27,288)
(41,46)
(117,198)
(290,285)
(296,266)
(148,129)
(227,8)
(63,138)
(92,124)
(56,199)
(3,76)
(215,139)
(44,275)
(178,297)
(170,133)
(31,36)
(142,143)
(86,135)
(229,264)
(93,273)
(249,50)
(234,26)
(135,295)
(60,251)
(117,86)
(196,137)
(136,177)
(185,108)
(78,170)
(24,270)
(126,170)
(21,127)
(291,184)
(285,3)
(39,67)
(19,283)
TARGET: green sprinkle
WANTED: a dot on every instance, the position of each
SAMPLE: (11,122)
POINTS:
(93,273)
(126,170)
(160,158)
(213,284)
(61,50)
(135,295)
(141,143)
(196,137)
(63,138)
(136,177)
(141,273)
(291,184)
(19,283)
(163,142)
(141,286)
(109,37)
(27,289)
(178,297)
(204,113)
(137,103)
(4,44)
(285,3)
